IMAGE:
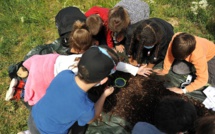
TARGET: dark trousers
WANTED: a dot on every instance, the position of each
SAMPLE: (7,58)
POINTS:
(75,129)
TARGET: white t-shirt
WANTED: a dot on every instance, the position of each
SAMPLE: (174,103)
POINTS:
(70,62)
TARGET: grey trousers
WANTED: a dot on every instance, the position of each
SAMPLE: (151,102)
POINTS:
(31,125)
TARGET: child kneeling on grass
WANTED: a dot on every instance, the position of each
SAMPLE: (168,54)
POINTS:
(66,107)
(185,50)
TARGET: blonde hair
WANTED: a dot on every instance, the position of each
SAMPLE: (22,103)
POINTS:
(80,38)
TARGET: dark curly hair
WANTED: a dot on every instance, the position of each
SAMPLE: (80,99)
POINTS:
(174,114)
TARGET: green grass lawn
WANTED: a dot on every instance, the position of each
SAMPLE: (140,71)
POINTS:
(25,24)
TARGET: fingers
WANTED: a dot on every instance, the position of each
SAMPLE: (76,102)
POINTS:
(108,91)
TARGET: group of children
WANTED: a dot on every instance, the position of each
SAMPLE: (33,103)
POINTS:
(57,85)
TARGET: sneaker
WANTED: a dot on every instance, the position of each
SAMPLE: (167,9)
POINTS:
(187,82)
(25,132)
(11,90)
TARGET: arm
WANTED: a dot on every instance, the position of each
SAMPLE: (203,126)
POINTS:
(99,104)
(201,79)
(150,65)
(128,68)
(201,73)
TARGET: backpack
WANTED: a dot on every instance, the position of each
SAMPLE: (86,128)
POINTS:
(64,21)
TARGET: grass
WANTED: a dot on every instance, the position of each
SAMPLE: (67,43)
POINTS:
(28,23)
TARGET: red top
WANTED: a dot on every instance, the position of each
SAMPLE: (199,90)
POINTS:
(103,13)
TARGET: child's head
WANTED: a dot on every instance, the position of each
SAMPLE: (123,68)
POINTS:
(174,115)
(97,63)
(206,125)
(94,23)
(183,45)
(148,35)
(118,19)
(80,38)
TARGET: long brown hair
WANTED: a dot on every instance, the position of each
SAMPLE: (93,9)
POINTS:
(118,19)
(146,34)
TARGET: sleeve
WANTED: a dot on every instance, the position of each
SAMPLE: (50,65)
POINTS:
(168,32)
(63,64)
(201,73)
(127,68)
(28,62)
(109,38)
(129,33)
(168,60)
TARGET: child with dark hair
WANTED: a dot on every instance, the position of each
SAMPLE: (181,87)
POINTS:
(172,115)
(206,125)
(66,103)
(148,40)
(97,22)
(186,51)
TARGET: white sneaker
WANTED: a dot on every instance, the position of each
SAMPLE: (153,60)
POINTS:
(187,82)
(25,132)
(11,90)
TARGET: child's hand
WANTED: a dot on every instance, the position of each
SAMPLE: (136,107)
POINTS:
(132,61)
(108,91)
(144,71)
(159,71)
(120,48)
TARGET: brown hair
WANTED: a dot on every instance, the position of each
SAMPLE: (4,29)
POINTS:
(206,125)
(94,23)
(146,34)
(80,38)
(118,19)
(183,45)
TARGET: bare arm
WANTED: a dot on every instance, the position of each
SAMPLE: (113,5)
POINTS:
(99,104)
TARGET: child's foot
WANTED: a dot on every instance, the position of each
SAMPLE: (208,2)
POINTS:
(25,132)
